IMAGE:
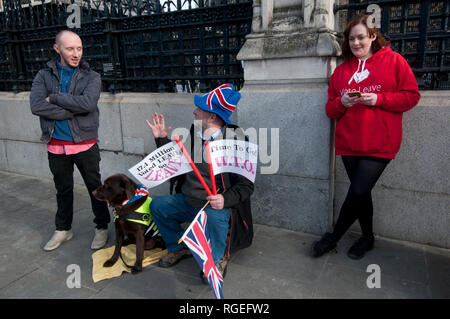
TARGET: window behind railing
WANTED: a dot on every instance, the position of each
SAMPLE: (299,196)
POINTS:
(136,45)
(419,30)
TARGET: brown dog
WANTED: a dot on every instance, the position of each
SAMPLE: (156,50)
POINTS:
(116,190)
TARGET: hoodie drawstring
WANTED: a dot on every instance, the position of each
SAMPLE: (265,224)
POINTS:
(362,69)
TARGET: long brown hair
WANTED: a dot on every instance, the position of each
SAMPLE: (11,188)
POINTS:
(379,42)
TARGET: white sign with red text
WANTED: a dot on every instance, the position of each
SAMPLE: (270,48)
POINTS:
(227,156)
(159,166)
(234,156)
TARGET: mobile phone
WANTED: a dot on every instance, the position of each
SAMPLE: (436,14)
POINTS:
(354,93)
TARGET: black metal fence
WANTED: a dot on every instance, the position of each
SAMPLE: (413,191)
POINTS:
(136,45)
(173,45)
(419,30)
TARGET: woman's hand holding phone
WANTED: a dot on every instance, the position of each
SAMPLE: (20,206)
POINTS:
(348,101)
(351,98)
(368,99)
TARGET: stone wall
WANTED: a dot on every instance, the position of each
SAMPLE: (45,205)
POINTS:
(124,135)
(296,196)
(411,200)
(288,59)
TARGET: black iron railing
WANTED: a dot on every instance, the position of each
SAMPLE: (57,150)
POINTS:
(136,45)
(419,30)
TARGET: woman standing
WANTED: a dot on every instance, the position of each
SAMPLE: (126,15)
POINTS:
(367,96)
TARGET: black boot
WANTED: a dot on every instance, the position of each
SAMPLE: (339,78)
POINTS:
(324,245)
(361,247)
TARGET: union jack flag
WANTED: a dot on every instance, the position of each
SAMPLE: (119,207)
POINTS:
(223,102)
(196,237)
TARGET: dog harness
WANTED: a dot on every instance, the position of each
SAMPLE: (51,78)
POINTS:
(142,214)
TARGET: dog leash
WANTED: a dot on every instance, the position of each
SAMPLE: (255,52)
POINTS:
(131,267)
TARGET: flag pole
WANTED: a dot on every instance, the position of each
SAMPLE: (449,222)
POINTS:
(211,171)
(188,157)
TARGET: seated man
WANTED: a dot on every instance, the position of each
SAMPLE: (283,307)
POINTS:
(234,191)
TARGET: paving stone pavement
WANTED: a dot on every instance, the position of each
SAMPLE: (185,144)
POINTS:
(277,265)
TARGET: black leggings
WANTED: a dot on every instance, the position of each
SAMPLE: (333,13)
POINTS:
(363,172)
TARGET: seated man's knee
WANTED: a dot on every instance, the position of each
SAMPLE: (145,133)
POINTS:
(218,217)
(161,205)
(155,207)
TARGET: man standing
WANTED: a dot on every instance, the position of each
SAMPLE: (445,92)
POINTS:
(233,199)
(65,97)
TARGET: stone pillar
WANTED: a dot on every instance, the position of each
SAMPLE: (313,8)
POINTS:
(288,59)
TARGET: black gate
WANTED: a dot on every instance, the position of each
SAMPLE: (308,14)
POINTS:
(419,30)
(136,45)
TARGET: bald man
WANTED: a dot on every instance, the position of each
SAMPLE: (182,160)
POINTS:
(64,96)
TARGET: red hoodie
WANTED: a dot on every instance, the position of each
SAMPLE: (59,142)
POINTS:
(372,130)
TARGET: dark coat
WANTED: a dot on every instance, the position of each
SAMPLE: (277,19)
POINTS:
(237,194)
(78,106)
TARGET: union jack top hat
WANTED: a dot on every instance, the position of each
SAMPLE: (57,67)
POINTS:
(222,101)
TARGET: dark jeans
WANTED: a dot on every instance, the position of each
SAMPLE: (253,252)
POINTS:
(168,211)
(363,172)
(88,164)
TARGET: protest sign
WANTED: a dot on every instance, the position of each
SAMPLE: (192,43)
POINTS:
(159,166)
(234,156)
(227,156)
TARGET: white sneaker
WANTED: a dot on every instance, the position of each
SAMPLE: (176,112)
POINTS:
(100,239)
(59,237)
